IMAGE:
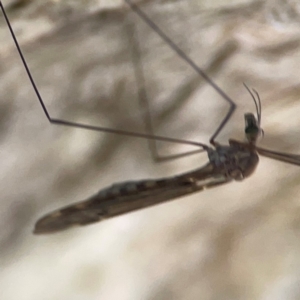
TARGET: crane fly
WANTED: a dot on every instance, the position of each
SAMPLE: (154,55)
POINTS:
(226,163)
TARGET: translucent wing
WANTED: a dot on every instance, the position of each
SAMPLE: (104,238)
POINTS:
(285,157)
(129,196)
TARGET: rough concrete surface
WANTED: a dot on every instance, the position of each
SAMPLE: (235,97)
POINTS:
(236,242)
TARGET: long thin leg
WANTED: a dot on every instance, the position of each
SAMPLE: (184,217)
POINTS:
(289,158)
(144,100)
(181,54)
(86,126)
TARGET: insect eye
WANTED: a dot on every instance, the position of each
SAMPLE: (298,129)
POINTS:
(252,129)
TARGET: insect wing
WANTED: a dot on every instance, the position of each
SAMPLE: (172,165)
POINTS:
(127,197)
(293,159)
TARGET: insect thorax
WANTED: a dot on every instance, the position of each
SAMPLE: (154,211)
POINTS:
(237,161)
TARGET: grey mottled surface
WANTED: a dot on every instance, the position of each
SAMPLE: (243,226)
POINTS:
(240,241)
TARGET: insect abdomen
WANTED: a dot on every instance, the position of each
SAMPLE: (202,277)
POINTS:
(127,197)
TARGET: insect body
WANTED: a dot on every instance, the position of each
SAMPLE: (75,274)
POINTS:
(235,161)
(226,163)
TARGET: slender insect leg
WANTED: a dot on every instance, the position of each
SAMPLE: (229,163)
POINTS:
(81,125)
(181,54)
(144,99)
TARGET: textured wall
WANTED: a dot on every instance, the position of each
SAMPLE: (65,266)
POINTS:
(240,241)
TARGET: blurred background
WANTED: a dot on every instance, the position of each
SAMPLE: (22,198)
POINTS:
(238,241)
